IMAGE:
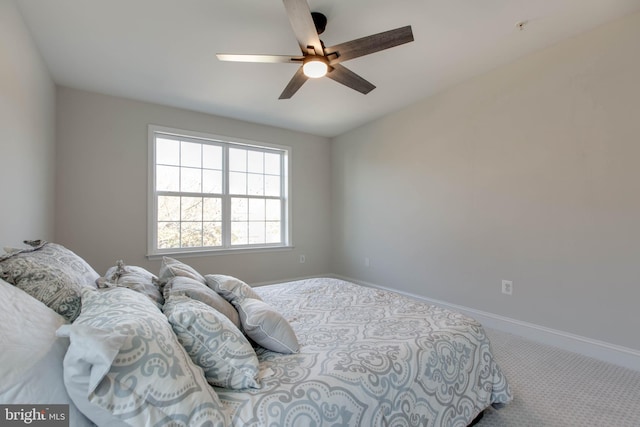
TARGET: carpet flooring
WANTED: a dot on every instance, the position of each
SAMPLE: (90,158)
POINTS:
(553,387)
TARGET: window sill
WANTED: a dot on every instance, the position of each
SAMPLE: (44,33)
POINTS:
(213,252)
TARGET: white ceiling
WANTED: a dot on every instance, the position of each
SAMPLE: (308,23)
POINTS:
(163,51)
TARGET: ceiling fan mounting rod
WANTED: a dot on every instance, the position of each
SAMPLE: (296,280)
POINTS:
(320,21)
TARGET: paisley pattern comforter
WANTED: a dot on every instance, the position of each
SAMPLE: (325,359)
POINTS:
(367,358)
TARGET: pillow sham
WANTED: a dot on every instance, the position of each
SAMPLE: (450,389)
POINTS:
(31,356)
(172,267)
(125,361)
(196,290)
(268,328)
(213,342)
(50,273)
(230,288)
(135,278)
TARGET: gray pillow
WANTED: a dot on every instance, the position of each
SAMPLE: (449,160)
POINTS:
(268,328)
(231,288)
(213,342)
(135,278)
(50,273)
(124,361)
(261,322)
(196,290)
(172,268)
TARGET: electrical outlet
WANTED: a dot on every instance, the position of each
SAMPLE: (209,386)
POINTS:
(507,287)
(303,259)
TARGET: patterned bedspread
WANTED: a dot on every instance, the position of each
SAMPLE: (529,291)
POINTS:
(369,358)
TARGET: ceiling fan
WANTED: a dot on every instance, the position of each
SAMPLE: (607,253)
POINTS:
(316,59)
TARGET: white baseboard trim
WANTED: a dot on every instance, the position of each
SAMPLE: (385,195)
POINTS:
(607,352)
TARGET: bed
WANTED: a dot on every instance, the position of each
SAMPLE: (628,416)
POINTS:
(326,352)
(369,357)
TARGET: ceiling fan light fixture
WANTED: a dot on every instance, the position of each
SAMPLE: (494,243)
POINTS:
(315,67)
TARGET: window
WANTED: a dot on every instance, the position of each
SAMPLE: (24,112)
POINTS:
(209,193)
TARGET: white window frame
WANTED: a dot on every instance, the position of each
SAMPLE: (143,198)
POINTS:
(152,209)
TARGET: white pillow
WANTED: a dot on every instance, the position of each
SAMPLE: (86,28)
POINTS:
(213,342)
(31,356)
(125,360)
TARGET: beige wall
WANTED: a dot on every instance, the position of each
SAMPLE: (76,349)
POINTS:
(528,173)
(101,187)
(27,134)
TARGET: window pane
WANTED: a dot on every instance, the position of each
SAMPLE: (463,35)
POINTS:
(212,157)
(212,234)
(212,209)
(256,233)
(167,178)
(191,234)
(272,164)
(191,209)
(256,210)
(272,185)
(168,208)
(191,154)
(214,194)
(167,152)
(255,184)
(190,180)
(239,209)
(168,235)
(237,183)
(237,160)
(239,233)
(273,210)
(273,232)
(256,162)
(212,181)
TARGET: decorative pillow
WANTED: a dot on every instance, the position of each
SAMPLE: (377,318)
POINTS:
(213,342)
(135,278)
(31,356)
(196,290)
(172,268)
(230,288)
(50,273)
(124,360)
(268,328)
(261,322)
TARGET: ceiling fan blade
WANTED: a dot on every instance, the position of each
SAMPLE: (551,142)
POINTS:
(303,27)
(295,83)
(259,58)
(370,44)
(348,78)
